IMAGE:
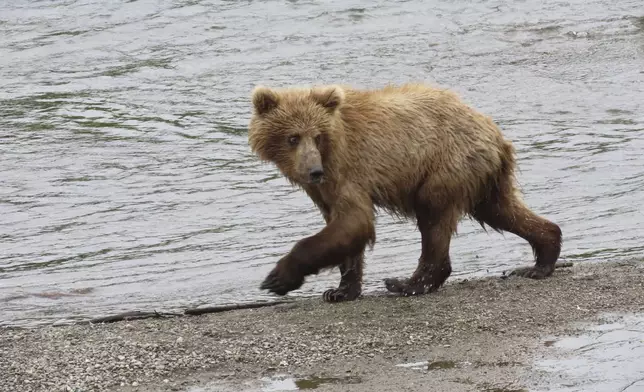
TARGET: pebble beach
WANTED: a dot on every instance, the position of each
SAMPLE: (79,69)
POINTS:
(487,321)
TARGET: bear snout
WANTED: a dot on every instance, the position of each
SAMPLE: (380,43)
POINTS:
(316,173)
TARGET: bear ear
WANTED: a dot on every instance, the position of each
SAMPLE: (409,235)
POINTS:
(330,97)
(264,99)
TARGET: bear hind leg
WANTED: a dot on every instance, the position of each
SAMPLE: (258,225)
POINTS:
(350,286)
(434,265)
(506,212)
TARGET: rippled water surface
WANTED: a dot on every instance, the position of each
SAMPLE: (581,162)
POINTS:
(126,178)
(605,358)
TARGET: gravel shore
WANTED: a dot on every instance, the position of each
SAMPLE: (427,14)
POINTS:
(493,324)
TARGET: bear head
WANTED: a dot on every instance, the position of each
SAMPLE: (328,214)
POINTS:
(297,129)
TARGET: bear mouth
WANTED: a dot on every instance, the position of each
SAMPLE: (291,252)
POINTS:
(315,181)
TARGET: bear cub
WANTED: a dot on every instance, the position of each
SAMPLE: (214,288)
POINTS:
(413,150)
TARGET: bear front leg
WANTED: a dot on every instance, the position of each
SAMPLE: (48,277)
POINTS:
(344,237)
(350,286)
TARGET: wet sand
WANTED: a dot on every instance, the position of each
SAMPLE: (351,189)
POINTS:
(476,335)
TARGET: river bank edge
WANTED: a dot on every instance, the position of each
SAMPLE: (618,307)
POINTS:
(474,335)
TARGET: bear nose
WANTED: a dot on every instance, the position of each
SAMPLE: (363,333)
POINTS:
(316,174)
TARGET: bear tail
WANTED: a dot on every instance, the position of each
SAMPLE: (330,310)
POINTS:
(501,187)
(508,161)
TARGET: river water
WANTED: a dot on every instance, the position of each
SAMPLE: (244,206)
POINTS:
(126,178)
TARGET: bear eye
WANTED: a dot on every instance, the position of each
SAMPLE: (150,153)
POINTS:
(293,140)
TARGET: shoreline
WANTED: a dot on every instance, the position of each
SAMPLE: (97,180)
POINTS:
(133,315)
(495,325)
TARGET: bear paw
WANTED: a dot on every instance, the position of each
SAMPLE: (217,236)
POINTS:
(536,272)
(342,293)
(408,288)
(280,282)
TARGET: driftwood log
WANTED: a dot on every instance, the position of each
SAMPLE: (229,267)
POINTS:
(135,315)
(225,308)
(138,315)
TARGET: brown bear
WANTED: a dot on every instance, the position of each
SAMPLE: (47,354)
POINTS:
(415,151)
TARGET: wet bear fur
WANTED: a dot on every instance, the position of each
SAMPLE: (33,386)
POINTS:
(415,151)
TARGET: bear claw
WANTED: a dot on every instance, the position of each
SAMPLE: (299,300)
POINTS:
(272,284)
(536,272)
(280,285)
(340,294)
(407,288)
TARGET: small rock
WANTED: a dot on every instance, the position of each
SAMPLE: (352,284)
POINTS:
(135,384)
(179,340)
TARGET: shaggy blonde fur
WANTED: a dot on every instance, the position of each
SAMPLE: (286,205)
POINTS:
(413,150)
